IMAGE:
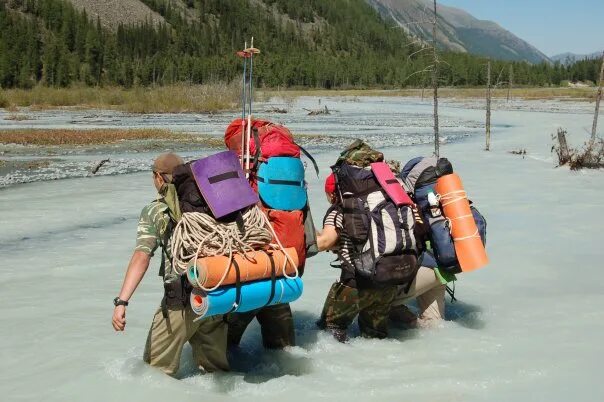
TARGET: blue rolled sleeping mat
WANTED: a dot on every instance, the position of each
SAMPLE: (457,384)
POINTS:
(251,296)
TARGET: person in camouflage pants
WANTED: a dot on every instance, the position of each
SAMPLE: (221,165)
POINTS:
(350,296)
(344,303)
(172,324)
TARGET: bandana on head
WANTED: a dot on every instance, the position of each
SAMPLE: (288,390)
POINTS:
(330,184)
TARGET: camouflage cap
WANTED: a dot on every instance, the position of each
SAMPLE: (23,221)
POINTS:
(165,163)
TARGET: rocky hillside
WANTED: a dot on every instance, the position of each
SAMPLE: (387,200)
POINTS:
(114,12)
(458,30)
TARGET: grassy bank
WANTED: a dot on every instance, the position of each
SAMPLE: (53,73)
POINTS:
(463,93)
(216,97)
(170,99)
(58,137)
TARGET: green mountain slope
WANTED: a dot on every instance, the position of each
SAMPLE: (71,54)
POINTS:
(309,43)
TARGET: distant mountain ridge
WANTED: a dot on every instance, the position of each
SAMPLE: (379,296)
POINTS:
(569,58)
(459,31)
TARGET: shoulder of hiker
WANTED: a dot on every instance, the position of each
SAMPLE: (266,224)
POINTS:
(151,224)
(333,217)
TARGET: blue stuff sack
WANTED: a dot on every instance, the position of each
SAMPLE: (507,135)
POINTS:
(281,183)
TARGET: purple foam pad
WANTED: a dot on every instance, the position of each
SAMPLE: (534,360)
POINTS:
(222,183)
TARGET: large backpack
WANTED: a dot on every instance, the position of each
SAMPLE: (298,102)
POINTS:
(419,176)
(277,174)
(381,232)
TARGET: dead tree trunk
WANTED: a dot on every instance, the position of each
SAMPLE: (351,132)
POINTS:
(488,122)
(435,84)
(598,99)
(564,153)
(510,81)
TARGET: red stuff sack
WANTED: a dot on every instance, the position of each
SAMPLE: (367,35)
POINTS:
(232,135)
(274,139)
(289,227)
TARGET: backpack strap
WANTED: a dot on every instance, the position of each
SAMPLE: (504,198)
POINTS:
(273,279)
(163,243)
(256,157)
(237,288)
(310,157)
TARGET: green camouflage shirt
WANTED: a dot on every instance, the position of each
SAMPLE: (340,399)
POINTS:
(151,230)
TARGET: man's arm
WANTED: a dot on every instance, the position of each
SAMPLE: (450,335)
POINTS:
(136,271)
(328,238)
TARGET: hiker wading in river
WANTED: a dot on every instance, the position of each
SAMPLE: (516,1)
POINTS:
(172,324)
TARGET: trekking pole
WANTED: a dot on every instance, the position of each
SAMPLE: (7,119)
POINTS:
(243,101)
(250,51)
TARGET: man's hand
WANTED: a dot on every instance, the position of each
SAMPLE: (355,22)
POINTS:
(134,274)
(119,318)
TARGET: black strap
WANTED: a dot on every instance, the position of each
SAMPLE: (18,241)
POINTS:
(240,222)
(163,243)
(451,292)
(309,156)
(284,182)
(256,137)
(164,307)
(223,176)
(370,235)
(237,287)
(273,279)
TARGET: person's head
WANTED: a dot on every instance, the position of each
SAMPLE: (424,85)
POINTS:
(330,188)
(163,167)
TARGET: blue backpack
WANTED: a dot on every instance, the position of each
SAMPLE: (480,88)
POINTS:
(419,176)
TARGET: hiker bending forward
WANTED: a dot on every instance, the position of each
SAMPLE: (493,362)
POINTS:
(350,296)
(172,324)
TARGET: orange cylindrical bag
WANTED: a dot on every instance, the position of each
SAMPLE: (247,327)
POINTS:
(210,271)
(470,251)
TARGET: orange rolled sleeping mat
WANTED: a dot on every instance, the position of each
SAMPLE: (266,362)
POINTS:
(470,251)
(209,272)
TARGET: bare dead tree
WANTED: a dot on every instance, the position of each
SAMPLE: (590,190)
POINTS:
(488,121)
(435,84)
(598,99)
(429,17)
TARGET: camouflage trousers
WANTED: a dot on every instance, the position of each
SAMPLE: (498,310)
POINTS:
(344,303)
(276,324)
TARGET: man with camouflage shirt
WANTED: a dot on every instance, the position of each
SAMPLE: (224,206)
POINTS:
(172,324)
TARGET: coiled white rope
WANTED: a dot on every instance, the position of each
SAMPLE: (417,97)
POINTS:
(199,235)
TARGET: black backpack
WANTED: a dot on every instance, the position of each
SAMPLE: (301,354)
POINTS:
(382,233)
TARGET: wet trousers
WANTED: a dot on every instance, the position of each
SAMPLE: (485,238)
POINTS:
(344,303)
(276,324)
(430,295)
(169,333)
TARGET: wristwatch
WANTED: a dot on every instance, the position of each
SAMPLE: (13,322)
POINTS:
(119,302)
